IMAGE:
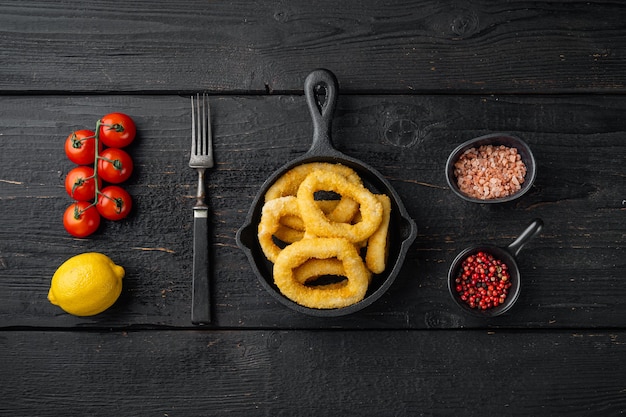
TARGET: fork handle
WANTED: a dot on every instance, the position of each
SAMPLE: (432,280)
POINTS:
(200,305)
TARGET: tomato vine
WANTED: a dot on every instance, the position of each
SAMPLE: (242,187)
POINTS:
(86,185)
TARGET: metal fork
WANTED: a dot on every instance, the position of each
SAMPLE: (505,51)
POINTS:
(201,158)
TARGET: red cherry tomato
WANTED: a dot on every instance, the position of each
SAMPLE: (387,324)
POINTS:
(114,203)
(80,183)
(81,219)
(114,165)
(117,130)
(80,147)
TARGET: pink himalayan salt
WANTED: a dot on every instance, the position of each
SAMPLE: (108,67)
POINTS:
(490,172)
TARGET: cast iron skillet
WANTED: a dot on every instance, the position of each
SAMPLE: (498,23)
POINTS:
(322,84)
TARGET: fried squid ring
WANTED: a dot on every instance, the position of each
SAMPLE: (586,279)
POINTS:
(296,254)
(292,227)
(287,234)
(271,214)
(295,222)
(318,224)
(378,243)
(290,181)
(340,211)
(310,272)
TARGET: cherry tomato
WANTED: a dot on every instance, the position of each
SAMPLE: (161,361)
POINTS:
(117,130)
(115,165)
(80,183)
(81,219)
(114,203)
(80,147)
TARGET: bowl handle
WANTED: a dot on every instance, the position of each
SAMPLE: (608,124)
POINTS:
(531,230)
(321,89)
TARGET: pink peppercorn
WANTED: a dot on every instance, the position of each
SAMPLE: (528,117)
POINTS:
(483,281)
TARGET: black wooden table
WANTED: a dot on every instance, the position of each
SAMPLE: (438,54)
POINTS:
(416,79)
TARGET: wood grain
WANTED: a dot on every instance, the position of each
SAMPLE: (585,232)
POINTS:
(571,273)
(416,79)
(312,373)
(267,47)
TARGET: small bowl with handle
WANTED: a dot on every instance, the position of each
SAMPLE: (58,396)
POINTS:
(505,254)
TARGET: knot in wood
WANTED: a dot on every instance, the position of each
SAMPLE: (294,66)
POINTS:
(402,133)
(465,25)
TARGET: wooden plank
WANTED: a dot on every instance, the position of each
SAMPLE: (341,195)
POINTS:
(572,273)
(265,47)
(309,373)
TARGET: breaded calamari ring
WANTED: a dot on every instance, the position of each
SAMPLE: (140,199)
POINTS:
(318,224)
(271,214)
(295,222)
(290,181)
(340,211)
(310,271)
(378,243)
(292,228)
(288,235)
(296,254)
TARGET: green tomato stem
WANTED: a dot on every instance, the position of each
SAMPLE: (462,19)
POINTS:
(116,126)
(117,164)
(77,143)
(78,213)
(78,183)
(95,160)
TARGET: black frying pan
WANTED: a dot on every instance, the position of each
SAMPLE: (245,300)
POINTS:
(322,84)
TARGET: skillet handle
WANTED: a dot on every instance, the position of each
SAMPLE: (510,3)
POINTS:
(321,89)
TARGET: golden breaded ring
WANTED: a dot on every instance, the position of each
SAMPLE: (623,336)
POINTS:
(291,228)
(287,234)
(295,222)
(378,243)
(340,211)
(345,211)
(296,254)
(311,270)
(318,224)
(289,182)
(327,206)
(270,222)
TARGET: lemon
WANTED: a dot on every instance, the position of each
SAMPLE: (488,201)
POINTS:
(86,284)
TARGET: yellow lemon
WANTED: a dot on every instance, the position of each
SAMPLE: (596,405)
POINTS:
(86,284)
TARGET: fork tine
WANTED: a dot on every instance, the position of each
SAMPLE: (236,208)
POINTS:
(202,139)
(200,126)
(201,135)
(194,148)
(204,126)
(208,138)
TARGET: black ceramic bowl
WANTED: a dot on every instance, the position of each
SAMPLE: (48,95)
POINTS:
(402,229)
(493,139)
(506,255)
